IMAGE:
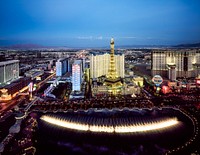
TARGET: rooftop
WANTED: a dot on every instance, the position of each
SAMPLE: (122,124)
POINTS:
(3,63)
(77,62)
(61,59)
(102,53)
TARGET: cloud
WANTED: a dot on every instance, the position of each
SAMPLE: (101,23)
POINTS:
(127,37)
(101,37)
(89,38)
(84,38)
(137,38)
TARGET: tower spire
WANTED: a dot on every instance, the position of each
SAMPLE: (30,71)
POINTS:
(112,81)
(112,73)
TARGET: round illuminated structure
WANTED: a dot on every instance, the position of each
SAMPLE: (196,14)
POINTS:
(157,80)
(116,130)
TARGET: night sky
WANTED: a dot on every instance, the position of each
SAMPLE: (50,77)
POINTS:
(91,23)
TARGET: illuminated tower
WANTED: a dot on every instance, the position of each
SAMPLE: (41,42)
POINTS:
(112,81)
(76,75)
(112,73)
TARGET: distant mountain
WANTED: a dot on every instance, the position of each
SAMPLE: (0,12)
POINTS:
(196,45)
(41,47)
(31,47)
(25,46)
(143,46)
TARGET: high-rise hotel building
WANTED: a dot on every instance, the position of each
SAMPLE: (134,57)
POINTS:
(99,64)
(175,63)
(61,66)
(9,71)
(77,74)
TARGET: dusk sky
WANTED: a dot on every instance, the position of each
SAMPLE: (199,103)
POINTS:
(91,23)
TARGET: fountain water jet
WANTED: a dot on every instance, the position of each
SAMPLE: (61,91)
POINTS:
(112,128)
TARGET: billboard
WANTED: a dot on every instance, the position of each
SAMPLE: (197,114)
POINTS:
(30,86)
(165,89)
(198,81)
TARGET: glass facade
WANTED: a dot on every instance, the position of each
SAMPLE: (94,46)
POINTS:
(76,75)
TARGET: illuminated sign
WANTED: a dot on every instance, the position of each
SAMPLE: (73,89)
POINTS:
(34,87)
(165,89)
(198,81)
(30,86)
(38,78)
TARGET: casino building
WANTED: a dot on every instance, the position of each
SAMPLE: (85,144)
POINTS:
(175,63)
(61,66)
(113,82)
(100,63)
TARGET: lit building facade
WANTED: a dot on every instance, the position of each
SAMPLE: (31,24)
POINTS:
(34,73)
(77,75)
(173,64)
(99,64)
(11,90)
(61,67)
(139,81)
(9,71)
(131,89)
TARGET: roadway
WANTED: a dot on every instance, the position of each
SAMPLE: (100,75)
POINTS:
(19,98)
(12,103)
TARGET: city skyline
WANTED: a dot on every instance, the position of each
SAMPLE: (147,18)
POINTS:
(70,101)
(93,23)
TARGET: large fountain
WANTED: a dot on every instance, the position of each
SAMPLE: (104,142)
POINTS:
(109,125)
(116,131)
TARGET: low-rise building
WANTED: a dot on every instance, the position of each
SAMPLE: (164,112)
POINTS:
(139,81)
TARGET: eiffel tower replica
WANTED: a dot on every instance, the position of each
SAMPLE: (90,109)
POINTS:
(112,81)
